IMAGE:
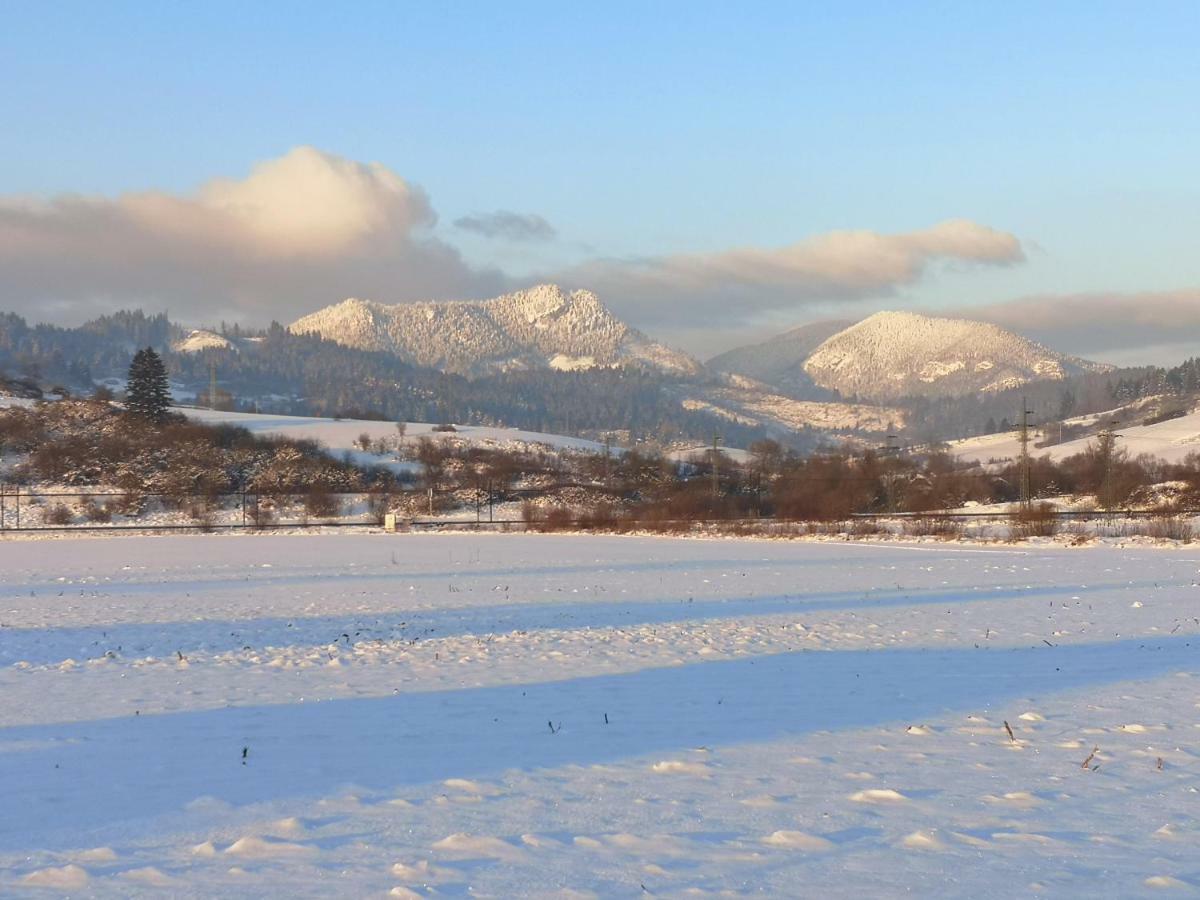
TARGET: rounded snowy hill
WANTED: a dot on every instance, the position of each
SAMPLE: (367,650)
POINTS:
(900,354)
(543,327)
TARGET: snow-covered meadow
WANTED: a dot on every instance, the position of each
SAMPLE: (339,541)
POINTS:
(509,715)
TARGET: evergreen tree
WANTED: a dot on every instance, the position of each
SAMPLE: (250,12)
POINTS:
(147,395)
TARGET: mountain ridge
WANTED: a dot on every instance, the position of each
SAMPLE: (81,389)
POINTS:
(542,327)
(892,355)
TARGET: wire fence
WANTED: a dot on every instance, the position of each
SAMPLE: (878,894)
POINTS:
(23,509)
(483,507)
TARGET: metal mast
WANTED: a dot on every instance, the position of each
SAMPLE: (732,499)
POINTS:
(1026,491)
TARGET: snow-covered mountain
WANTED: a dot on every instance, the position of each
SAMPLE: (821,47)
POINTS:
(200,340)
(779,362)
(543,327)
(900,354)
(892,355)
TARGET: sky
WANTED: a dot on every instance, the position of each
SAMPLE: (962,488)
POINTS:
(716,174)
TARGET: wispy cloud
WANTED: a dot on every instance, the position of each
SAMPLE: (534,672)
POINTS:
(736,285)
(508,226)
(1100,322)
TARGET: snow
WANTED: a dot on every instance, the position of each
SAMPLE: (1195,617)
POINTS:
(1171,440)
(526,328)
(895,354)
(700,453)
(339,435)
(756,405)
(594,716)
(564,363)
(198,341)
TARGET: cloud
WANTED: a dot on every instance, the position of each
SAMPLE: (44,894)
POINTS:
(1101,323)
(508,226)
(310,228)
(737,285)
(300,231)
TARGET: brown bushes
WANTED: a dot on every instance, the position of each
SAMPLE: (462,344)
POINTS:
(322,503)
(59,514)
(1170,523)
(1037,520)
(96,512)
(262,512)
(943,527)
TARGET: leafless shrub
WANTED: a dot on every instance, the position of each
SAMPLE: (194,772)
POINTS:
(1169,524)
(321,502)
(1037,520)
(865,528)
(379,504)
(943,527)
(97,512)
(556,518)
(59,514)
(262,512)
(601,517)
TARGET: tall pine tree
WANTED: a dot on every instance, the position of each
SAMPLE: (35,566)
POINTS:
(147,394)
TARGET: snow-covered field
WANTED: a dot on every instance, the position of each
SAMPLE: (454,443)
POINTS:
(569,716)
(1171,440)
(340,434)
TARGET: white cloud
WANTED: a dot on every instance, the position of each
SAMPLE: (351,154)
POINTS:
(737,285)
(1107,324)
(310,228)
(300,231)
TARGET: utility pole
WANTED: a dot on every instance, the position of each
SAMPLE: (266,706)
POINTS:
(716,474)
(1108,448)
(607,453)
(212,384)
(1024,438)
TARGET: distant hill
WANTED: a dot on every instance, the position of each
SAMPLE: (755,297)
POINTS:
(895,355)
(902,354)
(543,327)
(779,361)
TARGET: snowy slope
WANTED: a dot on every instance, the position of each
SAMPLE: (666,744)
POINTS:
(1171,440)
(543,327)
(509,716)
(780,360)
(339,435)
(747,402)
(200,340)
(897,354)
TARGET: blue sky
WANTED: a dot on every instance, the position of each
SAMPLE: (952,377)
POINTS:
(647,131)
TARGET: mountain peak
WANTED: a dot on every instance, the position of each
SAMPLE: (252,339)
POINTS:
(894,354)
(539,327)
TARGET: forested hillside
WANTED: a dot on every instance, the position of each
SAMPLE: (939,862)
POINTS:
(305,374)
